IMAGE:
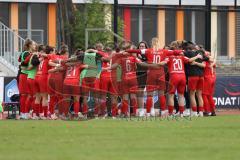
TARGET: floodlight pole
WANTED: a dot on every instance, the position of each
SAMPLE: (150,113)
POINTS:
(115,23)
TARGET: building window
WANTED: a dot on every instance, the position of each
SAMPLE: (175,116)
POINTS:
(33,21)
(222,33)
(39,22)
(4,13)
(194,26)
(170,26)
(134,25)
(149,25)
(22,16)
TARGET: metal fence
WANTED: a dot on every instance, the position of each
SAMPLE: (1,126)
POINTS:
(36,35)
(11,44)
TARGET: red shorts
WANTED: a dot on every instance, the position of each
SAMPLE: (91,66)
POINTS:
(156,79)
(195,83)
(90,84)
(128,83)
(177,82)
(32,85)
(108,85)
(71,87)
(23,85)
(42,85)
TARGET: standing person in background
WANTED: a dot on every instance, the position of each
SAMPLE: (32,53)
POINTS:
(22,85)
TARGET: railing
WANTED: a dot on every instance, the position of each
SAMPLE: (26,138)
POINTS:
(11,44)
(36,35)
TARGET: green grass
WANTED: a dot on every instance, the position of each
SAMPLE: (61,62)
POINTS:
(202,138)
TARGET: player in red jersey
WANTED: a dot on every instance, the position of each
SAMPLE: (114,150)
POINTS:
(177,80)
(208,89)
(22,85)
(55,81)
(41,85)
(71,84)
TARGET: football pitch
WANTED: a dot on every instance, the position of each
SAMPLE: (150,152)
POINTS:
(201,138)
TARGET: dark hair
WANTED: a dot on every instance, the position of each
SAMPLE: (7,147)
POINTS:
(144,42)
(41,47)
(79,51)
(27,44)
(64,49)
(35,60)
(125,45)
(49,49)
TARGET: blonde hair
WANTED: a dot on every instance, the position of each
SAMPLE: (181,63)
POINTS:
(155,43)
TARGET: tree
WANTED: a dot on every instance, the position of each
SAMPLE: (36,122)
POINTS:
(75,19)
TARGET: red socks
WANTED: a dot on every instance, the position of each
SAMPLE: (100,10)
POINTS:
(52,103)
(181,109)
(23,103)
(76,106)
(162,100)
(124,106)
(194,108)
(149,104)
(170,110)
(85,109)
(45,110)
(114,110)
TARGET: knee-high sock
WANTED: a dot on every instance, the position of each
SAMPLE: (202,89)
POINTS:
(124,106)
(23,103)
(149,104)
(162,100)
(85,109)
(170,109)
(211,103)
(181,109)
(45,110)
(52,103)
(37,109)
(114,110)
(206,106)
(28,104)
(76,106)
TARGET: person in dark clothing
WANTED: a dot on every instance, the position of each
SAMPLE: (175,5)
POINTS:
(194,72)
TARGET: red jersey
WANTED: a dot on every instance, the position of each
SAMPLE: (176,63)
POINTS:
(73,72)
(128,64)
(106,73)
(176,64)
(43,67)
(208,70)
